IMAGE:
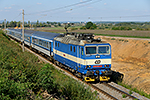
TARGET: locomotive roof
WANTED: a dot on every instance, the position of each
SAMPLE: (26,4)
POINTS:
(78,39)
(45,35)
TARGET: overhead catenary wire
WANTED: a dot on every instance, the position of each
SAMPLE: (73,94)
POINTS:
(17,16)
(59,7)
(80,4)
(77,6)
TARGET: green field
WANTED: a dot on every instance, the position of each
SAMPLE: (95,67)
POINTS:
(114,33)
(24,76)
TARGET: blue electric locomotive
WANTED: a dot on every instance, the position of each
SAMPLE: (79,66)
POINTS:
(85,56)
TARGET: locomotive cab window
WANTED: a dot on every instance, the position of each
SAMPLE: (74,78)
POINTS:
(103,50)
(90,50)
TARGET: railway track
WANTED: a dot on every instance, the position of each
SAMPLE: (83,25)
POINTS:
(104,95)
(114,93)
(105,91)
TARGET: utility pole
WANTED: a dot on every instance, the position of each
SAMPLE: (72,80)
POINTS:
(5,26)
(23,30)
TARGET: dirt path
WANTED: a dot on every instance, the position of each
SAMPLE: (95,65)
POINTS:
(131,57)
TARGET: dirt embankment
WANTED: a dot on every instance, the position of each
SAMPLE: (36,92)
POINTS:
(132,58)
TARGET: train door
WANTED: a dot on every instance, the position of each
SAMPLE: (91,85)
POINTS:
(78,56)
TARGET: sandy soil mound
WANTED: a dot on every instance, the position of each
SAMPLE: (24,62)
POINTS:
(132,58)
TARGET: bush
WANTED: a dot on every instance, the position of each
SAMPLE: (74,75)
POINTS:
(83,28)
(121,28)
(74,28)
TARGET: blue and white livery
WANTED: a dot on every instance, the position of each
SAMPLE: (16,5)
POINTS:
(85,56)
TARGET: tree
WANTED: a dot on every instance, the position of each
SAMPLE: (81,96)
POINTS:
(37,23)
(41,25)
(59,24)
(19,24)
(88,25)
(94,26)
(13,24)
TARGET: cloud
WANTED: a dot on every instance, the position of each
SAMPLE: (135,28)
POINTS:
(89,7)
(39,3)
(20,9)
(105,3)
(134,10)
(68,11)
(8,7)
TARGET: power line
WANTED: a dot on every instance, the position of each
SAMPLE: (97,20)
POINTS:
(83,5)
(60,7)
(17,16)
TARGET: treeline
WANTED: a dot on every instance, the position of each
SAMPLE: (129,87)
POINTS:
(132,25)
(83,26)
(117,26)
(121,28)
(89,25)
(30,24)
(24,77)
(127,26)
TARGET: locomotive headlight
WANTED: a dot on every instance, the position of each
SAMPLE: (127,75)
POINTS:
(104,65)
(89,66)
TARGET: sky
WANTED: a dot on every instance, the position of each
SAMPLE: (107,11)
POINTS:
(75,10)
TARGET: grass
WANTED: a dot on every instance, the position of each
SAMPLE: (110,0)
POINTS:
(124,95)
(122,36)
(24,76)
(134,89)
(112,33)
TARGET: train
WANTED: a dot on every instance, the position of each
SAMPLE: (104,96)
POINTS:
(81,53)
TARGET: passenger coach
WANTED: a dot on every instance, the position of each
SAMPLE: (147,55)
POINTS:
(85,56)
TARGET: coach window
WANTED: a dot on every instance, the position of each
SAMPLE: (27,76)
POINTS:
(70,48)
(74,49)
(47,44)
(44,43)
(36,41)
(40,42)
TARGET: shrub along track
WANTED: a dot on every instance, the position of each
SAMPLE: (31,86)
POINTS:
(103,94)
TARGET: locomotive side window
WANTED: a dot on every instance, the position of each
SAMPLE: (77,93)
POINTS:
(90,50)
(70,48)
(58,44)
(82,51)
(103,49)
(74,49)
